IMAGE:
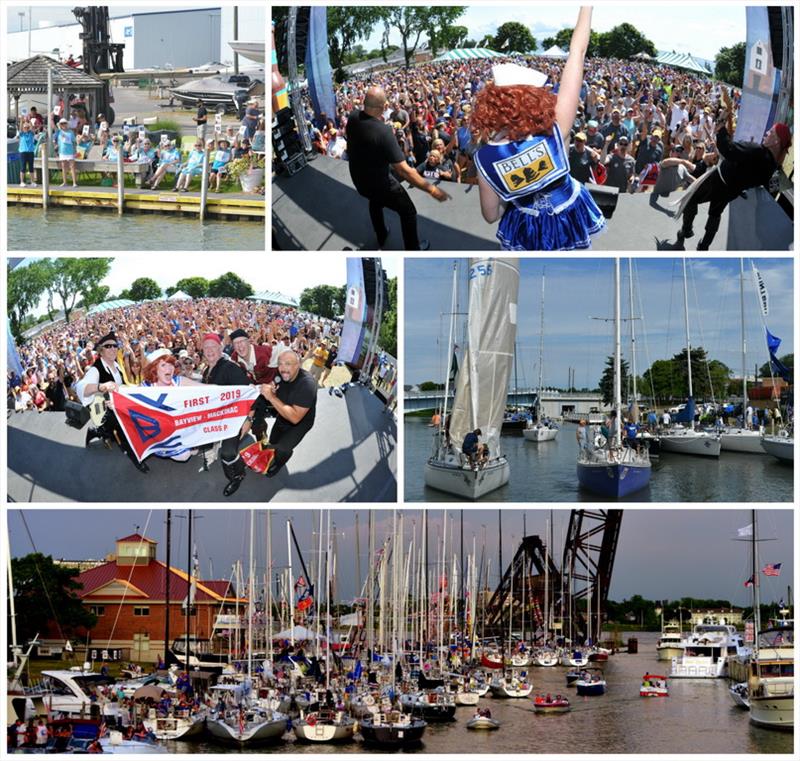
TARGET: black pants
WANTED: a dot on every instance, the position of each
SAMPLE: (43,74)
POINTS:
(397,199)
(284,437)
(717,195)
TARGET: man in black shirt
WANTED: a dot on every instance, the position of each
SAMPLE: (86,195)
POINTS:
(372,149)
(742,166)
(222,371)
(201,119)
(295,401)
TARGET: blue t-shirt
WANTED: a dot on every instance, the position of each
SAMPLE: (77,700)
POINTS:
(470,443)
(26,141)
(66,142)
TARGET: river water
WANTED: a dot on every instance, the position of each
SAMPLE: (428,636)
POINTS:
(546,473)
(697,717)
(68,230)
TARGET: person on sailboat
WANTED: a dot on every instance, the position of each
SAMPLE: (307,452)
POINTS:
(582,435)
(471,446)
(523,166)
(742,166)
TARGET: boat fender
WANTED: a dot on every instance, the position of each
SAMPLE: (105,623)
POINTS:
(311,719)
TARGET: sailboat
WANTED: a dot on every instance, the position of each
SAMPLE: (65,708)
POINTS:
(243,721)
(481,385)
(614,471)
(770,683)
(538,430)
(742,439)
(781,445)
(688,440)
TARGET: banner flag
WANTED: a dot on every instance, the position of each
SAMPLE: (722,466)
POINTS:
(318,64)
(761,289)
(164,419)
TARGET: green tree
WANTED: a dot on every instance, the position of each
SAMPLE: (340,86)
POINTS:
(324,300)
(45,592)
(624,41)
(196,287)
(513,36)
(347,25)
(96,295)
(430,386)
(26,284)
(704,375)
(729,64)
(564,37)
(607,381)
(144,288)
(231,286)
(659,380)
(388,334)
(77,277)
(412,21)
(441,29)
(453,37)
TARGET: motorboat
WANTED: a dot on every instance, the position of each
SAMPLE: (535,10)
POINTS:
(512,687)
(539,432)
(227,90)
(491,660)
(780,446)
(706,652)
(771,680)
(670,644)
(573,675)
(551,704)
(325,726)
(178,724)
(71,692)
(514,422)
(253,51)
(392,729)
(599,654)
(482,719)
(654,686)
(591,683)
(740,695)
(481,384)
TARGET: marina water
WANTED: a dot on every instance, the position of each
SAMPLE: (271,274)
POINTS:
(546,473)
(697,717)
(68,230)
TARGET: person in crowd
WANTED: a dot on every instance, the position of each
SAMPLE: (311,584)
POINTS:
(583,161)
(201,119)
(66,144)
(169,161)
(524,178)
(219,167)
(254,359)
(251,117)
(620,166)
(26,152)
(192,167)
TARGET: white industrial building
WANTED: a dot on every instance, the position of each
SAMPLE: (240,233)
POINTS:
(153,39)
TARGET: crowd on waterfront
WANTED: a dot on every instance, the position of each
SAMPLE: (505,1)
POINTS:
(639,125)
(56,360)
(76,139)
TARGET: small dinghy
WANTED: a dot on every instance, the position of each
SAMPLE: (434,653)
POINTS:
(654,686)
(483,720)
(550,704)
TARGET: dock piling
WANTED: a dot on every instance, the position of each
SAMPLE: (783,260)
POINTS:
(120,183)
(204,185)
(46,147)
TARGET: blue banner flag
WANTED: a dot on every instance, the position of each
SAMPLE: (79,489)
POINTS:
(12,355)
(318,64)
(773,344)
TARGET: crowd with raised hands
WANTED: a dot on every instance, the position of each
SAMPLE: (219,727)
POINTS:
(55,361)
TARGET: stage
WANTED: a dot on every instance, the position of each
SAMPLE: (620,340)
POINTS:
(319,209)
(348,456)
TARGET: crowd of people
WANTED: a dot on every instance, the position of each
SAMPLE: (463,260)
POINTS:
(75,139)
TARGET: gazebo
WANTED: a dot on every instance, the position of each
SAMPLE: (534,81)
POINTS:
(30,76)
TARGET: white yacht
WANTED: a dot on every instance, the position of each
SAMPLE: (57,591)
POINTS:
(670,644)
(706,652)
(771,678)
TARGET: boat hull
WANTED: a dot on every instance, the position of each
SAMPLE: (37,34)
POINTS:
(538,434)
(464,482)
(741,440)
(510,692)
(467,698)
(668,652)
(613,480)
(774,711)
(322,732)
(698,444)
(483,722)
(590,689)
(779,446)
(268,731)
(393,736)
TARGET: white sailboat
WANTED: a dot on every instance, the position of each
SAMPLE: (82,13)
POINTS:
(742,439)
(539,430)
(688,440)
(481,385)
(781,445)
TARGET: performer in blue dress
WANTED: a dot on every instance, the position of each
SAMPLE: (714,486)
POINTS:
(523,169)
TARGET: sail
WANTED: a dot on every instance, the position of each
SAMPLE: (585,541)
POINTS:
(686,415)
(482,383)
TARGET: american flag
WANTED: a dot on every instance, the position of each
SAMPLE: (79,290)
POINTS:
(771,569)
(749,582)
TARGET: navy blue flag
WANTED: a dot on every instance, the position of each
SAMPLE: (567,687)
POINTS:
(773,344)
(318,65)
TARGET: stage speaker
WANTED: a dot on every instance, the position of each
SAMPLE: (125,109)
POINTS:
(775,17)
(605,197)
(77,415)
(371,283)
(287,147)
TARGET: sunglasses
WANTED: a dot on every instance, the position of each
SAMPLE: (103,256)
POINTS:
(109,346)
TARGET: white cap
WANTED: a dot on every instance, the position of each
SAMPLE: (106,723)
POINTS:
(157,354)
(508,74)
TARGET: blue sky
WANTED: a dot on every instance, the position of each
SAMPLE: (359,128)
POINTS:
(579,289)
(697,28)
(705,561)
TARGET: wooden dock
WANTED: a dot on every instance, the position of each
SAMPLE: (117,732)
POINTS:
(226,205)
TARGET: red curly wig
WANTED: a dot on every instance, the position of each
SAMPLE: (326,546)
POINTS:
(150,374)
(518,110)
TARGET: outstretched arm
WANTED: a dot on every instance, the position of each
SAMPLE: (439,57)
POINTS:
(572,78)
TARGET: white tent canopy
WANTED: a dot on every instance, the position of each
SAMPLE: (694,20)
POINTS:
(683,61)
(179,296)
(275,297)
(463,54)
(553,52)
(299,633)
(114,304)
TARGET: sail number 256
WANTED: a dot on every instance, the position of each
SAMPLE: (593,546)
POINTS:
(480,270)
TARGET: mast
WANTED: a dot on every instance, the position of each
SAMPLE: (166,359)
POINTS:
(443,421)
(546,586)
(11,608)
(250,593)
(756,588)
(269,584)
(371,588)
(744,340)
(189,591)
(290,585)
(688,340)
(541,355)
(617,360)
(166,591)
(635,403)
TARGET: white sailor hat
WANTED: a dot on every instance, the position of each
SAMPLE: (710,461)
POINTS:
(157,354)
(508,74)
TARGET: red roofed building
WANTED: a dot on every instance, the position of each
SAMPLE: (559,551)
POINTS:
(128,595)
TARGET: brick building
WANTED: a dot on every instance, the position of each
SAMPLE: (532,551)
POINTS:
(128,595)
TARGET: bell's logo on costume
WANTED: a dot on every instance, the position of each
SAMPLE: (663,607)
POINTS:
(527,168)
